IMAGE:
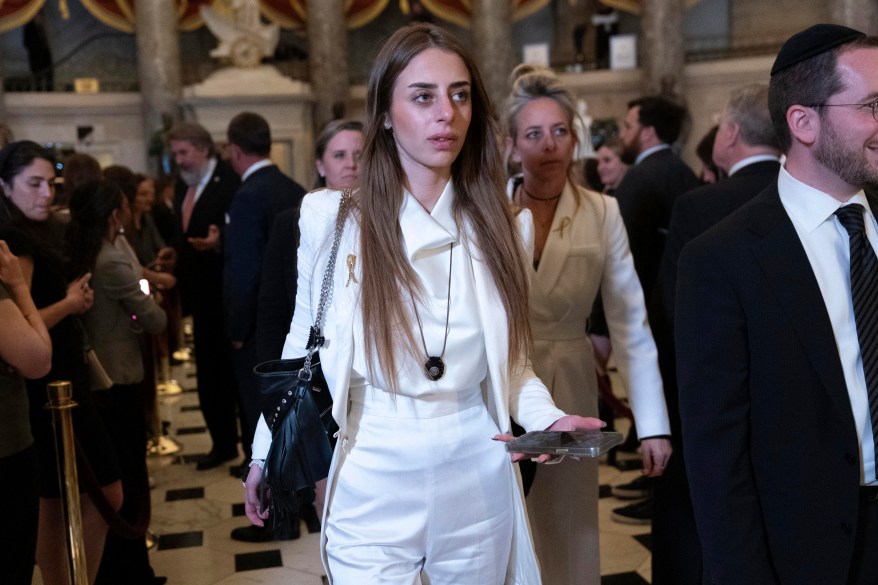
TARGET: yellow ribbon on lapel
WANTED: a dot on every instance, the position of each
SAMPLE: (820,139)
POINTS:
(352,262)
(565,223)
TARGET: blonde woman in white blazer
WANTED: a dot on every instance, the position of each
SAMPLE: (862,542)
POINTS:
(581,248)
(431,267)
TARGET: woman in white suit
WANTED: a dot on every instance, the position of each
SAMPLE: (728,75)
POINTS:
(431,269)
(580,248)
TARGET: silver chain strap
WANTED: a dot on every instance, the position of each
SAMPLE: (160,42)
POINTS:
(315,336)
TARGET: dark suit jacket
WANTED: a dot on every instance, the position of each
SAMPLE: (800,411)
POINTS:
(277,291)
(200,274)
(646,197)
(768,432)
(694,213)
(264,194)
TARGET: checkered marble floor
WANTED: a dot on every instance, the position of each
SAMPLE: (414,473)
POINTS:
(193,513)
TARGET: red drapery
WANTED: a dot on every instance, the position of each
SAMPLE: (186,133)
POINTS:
(634,6)
(14,13)
(291,14)
(460,11)
(119,14)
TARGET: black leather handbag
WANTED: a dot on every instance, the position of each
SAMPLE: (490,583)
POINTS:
(297,407)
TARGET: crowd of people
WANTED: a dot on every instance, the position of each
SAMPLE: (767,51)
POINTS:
(734,306)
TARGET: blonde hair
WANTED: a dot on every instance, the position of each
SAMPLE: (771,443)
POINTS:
(478,180)
(532,82)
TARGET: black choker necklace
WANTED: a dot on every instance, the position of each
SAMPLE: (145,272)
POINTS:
(526,192)
(434,367)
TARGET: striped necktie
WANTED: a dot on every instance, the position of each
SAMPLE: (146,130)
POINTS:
(864,293)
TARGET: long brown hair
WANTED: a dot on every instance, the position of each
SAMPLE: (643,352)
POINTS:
(478,180)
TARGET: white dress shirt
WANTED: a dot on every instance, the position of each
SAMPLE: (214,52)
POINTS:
(827,245)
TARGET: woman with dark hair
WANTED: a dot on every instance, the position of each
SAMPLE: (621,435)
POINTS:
(337,151)
(27,176)
(120,314)
(581,249)
(427,336)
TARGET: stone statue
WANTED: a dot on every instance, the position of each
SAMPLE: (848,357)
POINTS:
(584,148)
(244,40)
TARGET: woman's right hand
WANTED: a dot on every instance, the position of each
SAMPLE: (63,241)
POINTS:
(252,505)
(10,270)
(80,295)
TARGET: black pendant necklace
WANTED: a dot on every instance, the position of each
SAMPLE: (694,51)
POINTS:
(434,367)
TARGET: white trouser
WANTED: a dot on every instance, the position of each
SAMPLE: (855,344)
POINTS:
(421,500)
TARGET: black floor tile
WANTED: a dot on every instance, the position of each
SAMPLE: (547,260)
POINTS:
(629,464)
(181,540)
(191,430)
(645,540)
(631,578)
(265,559)
(605,491)
(190,408)
(190,458)
(193,493)
(238,509)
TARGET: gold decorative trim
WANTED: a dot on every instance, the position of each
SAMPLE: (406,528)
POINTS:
(463,16)
(367,15)
(111,19)
(634,6)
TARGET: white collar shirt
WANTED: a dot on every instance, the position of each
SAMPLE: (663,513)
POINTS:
(827,246)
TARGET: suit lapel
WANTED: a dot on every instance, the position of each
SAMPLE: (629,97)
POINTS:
(788,271)
(558,242)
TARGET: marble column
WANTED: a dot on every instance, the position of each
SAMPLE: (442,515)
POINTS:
(859,14)
(662,49)
(158,63)
(492,43)
(328,59)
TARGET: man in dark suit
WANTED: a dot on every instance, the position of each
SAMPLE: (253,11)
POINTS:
(646,196)
(747,151)
(775,347)
(658,177)
(202,197)
(264,192)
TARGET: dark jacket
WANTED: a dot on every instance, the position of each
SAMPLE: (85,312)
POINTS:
(265,194)
(200,274)
(646,197)
(770,440)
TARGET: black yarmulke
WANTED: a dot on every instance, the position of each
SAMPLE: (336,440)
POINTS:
(812,42)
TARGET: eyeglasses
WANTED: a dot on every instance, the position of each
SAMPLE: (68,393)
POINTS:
(872,105)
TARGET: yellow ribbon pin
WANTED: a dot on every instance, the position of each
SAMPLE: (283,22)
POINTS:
(352,262)
(565,223)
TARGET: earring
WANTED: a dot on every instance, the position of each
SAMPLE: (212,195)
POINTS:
(387,124)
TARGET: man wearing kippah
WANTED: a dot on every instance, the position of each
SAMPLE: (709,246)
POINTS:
(777,338)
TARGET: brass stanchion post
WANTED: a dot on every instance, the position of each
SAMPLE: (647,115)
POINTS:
(160,443)
(60,403)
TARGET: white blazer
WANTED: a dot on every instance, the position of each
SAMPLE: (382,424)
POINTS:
(587,251)
(522,396)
